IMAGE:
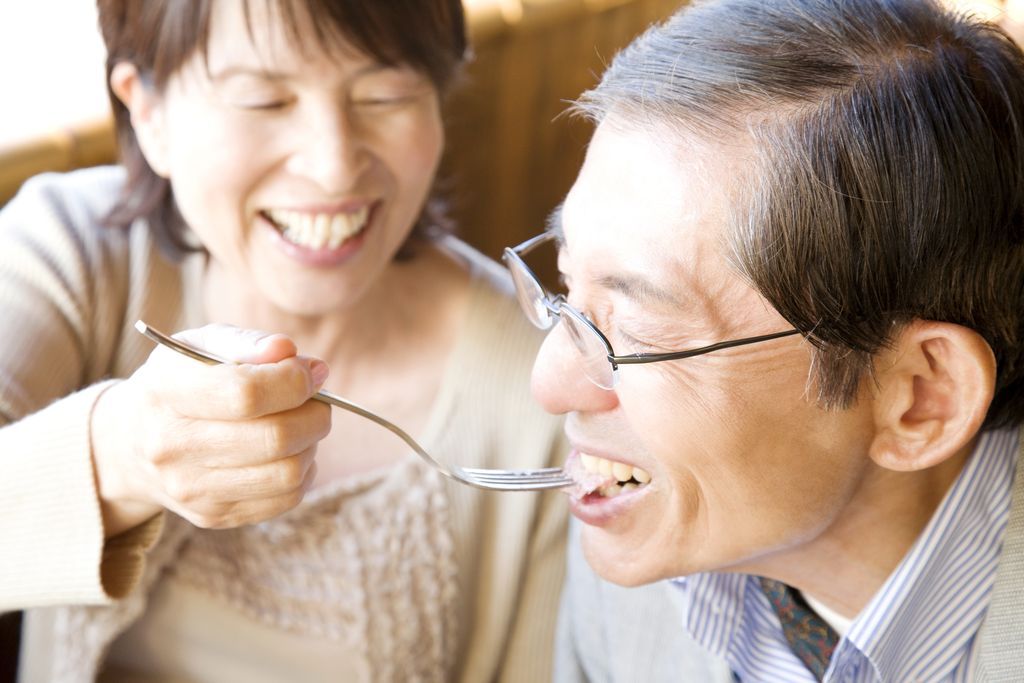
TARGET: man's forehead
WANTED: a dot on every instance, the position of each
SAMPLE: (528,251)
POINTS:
(630,264)
(643,230)
(648,217)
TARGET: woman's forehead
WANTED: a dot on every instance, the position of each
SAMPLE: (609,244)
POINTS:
(275,34)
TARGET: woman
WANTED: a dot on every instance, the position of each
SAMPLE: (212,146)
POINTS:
(277,156)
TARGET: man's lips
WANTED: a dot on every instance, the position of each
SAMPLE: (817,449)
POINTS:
(594,475)
(584,481)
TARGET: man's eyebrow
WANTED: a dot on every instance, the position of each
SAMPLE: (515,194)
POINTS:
(632,286)
(639,289)
(554,224)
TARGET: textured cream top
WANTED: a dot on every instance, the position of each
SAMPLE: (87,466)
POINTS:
(399,575)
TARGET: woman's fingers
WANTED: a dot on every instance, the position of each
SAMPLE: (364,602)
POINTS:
(239,344)
(201,487)
(235,392)
(271,379)
(222,444)
(264,491)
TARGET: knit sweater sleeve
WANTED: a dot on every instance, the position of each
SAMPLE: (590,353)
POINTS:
(63,284)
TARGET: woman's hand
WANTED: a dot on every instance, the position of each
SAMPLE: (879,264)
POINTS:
(220,445)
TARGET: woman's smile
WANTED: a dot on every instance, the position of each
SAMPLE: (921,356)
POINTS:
(321,237)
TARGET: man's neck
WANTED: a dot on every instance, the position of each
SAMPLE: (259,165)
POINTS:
(845,565)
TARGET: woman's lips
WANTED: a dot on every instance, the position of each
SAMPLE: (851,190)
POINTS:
(308,251)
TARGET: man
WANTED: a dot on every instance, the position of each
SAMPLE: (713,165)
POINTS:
(790,355)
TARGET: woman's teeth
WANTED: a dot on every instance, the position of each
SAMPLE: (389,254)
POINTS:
(318,230)
(626,477)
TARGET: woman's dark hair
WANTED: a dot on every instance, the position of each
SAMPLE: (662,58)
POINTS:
(888,181)
(159,36)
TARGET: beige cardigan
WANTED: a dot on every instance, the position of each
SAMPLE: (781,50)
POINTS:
(69,294)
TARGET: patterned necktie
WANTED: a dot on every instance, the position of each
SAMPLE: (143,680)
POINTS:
(810,637)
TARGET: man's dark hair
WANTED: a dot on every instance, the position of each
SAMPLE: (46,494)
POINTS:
(888,179)
(159,36)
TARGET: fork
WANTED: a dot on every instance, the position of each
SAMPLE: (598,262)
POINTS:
(484,478)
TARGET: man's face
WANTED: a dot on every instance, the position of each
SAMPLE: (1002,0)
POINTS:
(743,463)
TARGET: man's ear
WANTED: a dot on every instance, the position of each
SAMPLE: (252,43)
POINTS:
(143,104)
(933,389)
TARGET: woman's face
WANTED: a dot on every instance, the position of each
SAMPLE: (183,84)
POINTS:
(302,174)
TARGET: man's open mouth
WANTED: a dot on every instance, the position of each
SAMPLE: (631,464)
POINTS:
(602,477)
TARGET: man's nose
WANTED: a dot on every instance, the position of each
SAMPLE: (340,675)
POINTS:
(559,383)
(332,153)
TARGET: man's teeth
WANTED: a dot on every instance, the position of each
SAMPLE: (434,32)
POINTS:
(318,230)
(612,490)
(627,477)
(610,468)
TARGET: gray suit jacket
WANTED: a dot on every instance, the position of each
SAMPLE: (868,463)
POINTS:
(611,634)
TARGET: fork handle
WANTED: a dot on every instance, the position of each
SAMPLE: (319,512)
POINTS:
(343,403)
(322,396)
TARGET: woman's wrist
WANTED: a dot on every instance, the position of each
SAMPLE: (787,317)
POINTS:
(121,505)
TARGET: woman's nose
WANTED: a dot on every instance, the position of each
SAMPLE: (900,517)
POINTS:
(559,383)
(332,152)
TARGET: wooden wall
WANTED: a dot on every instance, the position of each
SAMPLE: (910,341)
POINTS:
(512,151)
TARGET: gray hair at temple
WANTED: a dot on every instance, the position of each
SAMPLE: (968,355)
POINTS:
(888,180)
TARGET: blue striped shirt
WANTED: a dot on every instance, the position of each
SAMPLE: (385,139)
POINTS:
(919,627)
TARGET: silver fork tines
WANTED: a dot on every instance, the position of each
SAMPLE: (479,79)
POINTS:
(514,480)
(492,479)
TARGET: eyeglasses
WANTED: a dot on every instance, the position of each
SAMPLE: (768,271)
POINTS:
(599,361)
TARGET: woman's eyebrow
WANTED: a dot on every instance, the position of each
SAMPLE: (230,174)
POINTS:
(241,69)
(224,73)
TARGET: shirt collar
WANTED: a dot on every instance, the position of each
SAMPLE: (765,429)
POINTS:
(919,625)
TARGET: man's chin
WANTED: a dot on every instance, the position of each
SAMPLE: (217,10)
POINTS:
(625,566)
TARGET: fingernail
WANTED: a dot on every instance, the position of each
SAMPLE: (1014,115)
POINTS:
(319,370)
(263,343)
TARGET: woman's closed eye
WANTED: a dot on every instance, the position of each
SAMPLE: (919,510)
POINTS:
(386,99)
(264,105)
(253,95)
(390,87)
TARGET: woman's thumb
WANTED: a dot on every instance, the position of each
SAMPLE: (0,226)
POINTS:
(239,344)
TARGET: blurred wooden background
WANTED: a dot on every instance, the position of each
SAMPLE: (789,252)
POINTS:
(512,153)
